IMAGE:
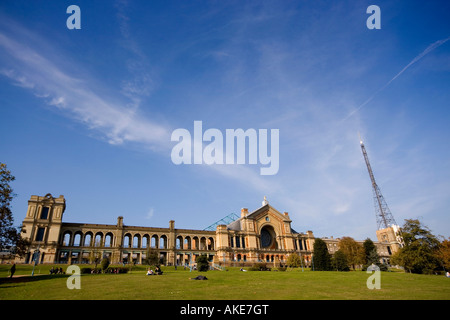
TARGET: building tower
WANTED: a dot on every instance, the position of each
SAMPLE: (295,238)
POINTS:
(387,228)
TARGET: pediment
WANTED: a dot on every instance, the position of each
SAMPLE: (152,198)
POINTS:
(268,211)
(265,215)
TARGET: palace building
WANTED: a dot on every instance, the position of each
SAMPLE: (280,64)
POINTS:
(264,235)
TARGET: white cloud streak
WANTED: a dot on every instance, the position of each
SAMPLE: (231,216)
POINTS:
(118,121)
(430,48)
(76,97)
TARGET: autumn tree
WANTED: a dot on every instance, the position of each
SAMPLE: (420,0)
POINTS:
(444,253)
(352,250)
(294,261)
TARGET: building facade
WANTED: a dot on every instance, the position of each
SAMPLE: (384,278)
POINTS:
(264,235)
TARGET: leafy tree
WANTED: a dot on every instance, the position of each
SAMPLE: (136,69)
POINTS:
(294,261)
(421,249)
(339,261)
(152,258)
(352,250)
(374,258)
(202,262)
(444,253)
(321,258)
(371,256)
(368,246)
(104,264)
(96,254)
(10,237)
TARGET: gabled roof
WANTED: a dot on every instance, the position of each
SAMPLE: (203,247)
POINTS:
(236,225)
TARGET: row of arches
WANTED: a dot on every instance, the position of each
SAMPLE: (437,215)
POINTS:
(100,239)
(194,243)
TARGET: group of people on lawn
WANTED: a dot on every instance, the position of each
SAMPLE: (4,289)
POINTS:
(157,271)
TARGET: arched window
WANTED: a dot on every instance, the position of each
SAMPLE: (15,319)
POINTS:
(108,240)
(77,239)
(66,238)
(163,242)
(88,239)
(145,241)
(127,241)
(136,241)
(98,240)
(178,243)
(154,241)
(210,243)
(187,243)
(195,245)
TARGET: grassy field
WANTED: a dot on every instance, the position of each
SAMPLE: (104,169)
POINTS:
(221,285)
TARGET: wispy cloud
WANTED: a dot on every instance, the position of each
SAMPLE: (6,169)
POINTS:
(116,118)
(150,214)
(75,96)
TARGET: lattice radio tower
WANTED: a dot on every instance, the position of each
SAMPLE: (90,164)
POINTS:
(385,219)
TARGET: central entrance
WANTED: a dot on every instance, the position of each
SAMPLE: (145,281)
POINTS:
(268,238)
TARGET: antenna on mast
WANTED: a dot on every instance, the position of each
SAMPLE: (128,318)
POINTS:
(385,219)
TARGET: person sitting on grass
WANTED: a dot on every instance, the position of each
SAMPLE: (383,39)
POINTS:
(158,270)
(150,272)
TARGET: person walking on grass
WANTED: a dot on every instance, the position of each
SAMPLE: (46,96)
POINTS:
(13,270)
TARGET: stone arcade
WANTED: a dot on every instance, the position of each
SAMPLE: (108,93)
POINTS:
(264,235)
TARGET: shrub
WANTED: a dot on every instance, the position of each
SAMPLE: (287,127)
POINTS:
(117,270)
(88,270)
(202,263)
(261,266)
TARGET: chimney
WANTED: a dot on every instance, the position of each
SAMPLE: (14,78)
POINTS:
(244,212)
(120,221)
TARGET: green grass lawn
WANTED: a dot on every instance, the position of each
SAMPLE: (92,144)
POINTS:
(221,285)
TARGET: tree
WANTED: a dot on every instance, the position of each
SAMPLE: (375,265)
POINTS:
(152,258)
(371,256)
(104,264)
(202,262)
(294,261)
(420,252)
(339,261)
(352,250)
(10,236)
(444,253)
(321,258)
(96,253)
(368,247)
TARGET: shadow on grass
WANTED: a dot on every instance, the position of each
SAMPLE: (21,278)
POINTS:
(20,279)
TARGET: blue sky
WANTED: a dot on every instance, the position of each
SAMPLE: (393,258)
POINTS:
(89,113)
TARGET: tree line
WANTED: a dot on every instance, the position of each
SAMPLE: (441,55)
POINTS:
(422,252)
